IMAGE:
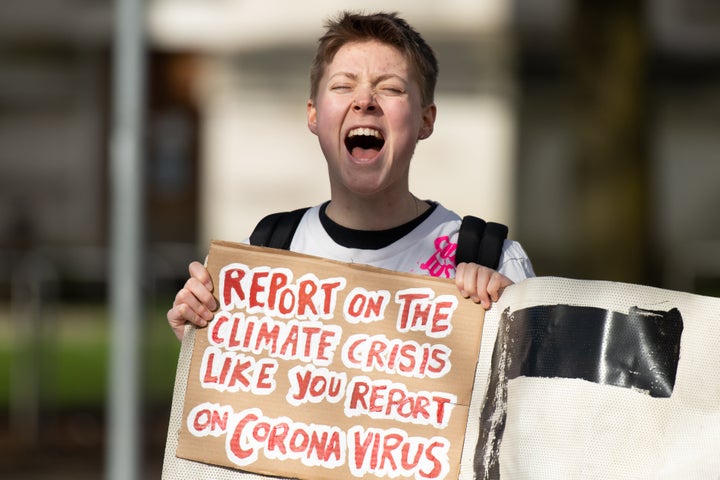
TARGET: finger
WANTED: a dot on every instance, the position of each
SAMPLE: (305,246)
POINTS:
(460,271)
(198,271)
(478,278)
(496,285)
(177,324)
(178,317)
(201,293)
(481,291)
(191,308)
(466,280)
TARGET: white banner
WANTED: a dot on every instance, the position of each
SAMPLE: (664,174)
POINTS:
(596,380)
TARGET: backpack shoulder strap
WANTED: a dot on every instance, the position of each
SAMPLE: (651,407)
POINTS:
(277,229)
(480,242)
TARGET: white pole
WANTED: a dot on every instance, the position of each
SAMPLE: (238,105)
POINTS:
(126,245)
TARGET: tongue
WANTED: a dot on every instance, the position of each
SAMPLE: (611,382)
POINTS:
(364,153)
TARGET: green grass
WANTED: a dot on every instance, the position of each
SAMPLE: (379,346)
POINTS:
(70,352)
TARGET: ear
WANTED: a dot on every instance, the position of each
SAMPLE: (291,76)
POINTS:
(312,116)
(428,121)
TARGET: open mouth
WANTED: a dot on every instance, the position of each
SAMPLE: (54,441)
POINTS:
(364,142)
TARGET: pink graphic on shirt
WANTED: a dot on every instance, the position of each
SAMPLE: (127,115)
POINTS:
(442,262)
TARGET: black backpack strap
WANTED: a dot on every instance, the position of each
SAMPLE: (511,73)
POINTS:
(480,242)
(277,229)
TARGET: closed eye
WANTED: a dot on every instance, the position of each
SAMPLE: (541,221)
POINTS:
(392,89)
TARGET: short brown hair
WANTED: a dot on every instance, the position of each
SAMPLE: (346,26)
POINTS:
(387,28)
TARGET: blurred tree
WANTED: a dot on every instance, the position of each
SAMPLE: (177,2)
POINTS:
(608,65)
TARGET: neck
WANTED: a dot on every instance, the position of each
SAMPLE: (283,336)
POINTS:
(375,213)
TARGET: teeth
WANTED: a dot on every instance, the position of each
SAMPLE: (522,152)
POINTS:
(366,132)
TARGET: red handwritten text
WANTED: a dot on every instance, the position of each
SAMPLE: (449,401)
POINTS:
(209,419)
(309,341)
(403,357)
(393,453)
(271,291)
(364,306)
(386,399)
(280,438)
(420,312)
(310,384)
(228,371)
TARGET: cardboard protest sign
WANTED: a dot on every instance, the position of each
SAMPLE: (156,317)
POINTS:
(321,370)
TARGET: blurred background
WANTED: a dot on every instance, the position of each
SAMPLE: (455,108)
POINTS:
(591,127)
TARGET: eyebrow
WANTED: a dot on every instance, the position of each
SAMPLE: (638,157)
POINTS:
(383,77)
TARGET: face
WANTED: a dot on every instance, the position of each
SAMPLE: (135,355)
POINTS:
(368,116)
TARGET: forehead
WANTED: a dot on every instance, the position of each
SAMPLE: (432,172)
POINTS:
(373,55)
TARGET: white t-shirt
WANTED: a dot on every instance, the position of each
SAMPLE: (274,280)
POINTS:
(429,249)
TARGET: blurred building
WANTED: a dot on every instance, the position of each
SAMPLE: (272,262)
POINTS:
(617,151)
(590,129)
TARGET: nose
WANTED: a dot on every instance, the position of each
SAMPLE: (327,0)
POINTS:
(364,101)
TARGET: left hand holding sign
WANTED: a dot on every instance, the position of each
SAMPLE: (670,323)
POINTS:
(194,303)
(481,284)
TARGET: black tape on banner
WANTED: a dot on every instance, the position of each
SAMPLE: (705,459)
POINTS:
(639,351)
